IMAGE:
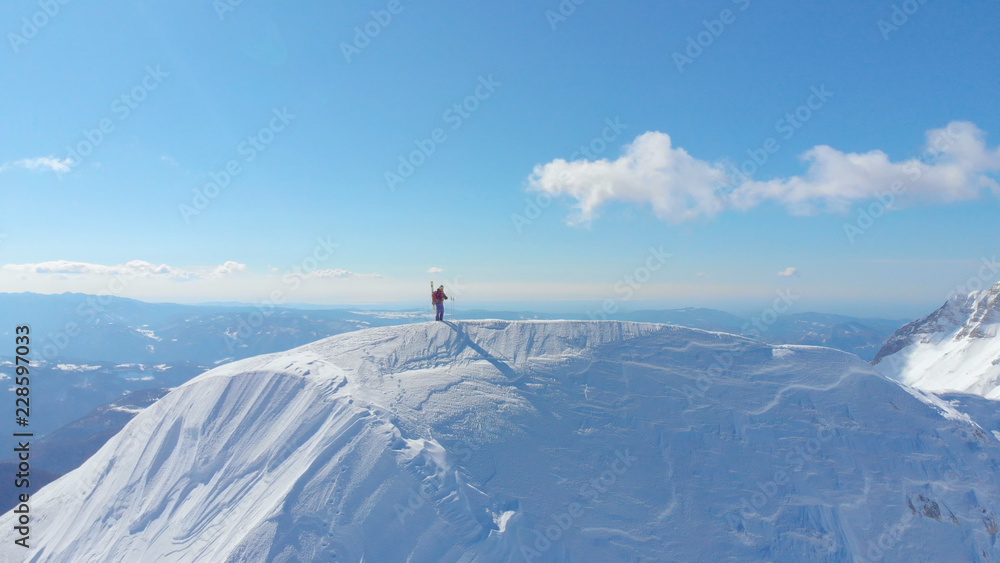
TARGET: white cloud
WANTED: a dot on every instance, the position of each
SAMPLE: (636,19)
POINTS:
(334,274)
(169,160)
(229,267)
(789,272)
(41,163)
(434,270)
(835,180)
(341,274)
(131,269)
(680,187)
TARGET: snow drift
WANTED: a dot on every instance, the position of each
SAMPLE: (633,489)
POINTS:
(531,441)
(956,348)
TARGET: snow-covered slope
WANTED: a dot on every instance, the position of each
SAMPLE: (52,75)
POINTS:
(956,348)
(532,441)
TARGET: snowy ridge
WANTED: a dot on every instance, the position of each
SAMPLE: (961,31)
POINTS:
(956,348)
(531,441)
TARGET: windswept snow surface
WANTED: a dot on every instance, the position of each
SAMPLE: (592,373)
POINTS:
(956,348)
(531,441)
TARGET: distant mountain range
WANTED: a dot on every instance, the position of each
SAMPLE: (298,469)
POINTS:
(90,353)
(75,327)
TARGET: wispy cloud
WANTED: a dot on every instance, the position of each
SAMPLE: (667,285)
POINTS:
(946,262)
(131,269)
(680,187)
(170,160)
(229,267)
(434,270)
(337,274)
(40,163)
(789,272)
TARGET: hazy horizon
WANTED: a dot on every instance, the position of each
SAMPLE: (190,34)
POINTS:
(588,309)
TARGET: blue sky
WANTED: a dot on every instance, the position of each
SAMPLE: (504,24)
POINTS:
(200,82)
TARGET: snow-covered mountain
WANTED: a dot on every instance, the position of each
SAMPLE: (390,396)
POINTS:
(956,348)
(66,448)
(532,441)
(860,336)
(94,350)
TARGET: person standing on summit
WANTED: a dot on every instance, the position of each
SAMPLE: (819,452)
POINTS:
(438,298)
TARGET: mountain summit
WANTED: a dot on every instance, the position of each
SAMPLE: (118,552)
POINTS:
(531,441)
(955,348)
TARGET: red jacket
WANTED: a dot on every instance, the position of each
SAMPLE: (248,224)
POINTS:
(438,296)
